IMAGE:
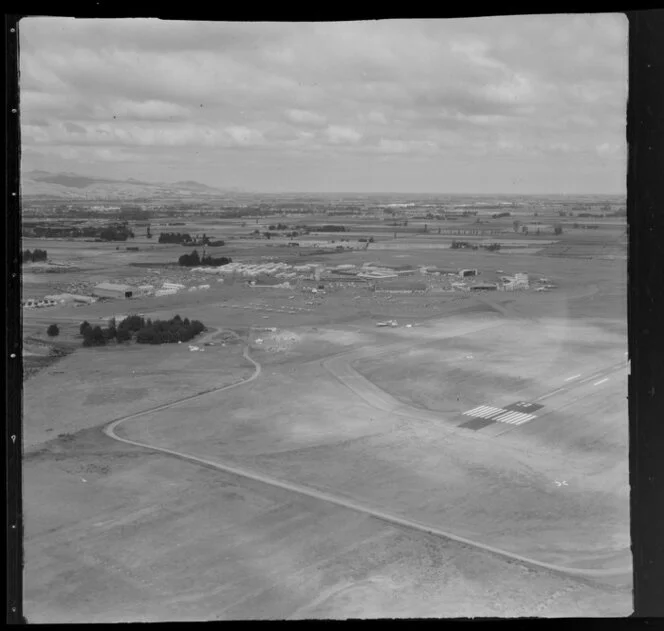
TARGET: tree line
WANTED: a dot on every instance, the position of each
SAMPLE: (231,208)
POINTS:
(174,237)
(33,257)
(186,239)
(459,245)
(141,331)
(116,233)
(194,260)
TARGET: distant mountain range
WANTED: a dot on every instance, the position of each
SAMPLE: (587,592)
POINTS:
(74,186)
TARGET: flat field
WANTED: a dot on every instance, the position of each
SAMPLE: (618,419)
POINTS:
(375,417)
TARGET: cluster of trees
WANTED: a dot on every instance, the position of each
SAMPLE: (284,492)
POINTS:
(499,215)
(186,239)
(492,247)
(34,256)
(53,330)
(142,331)
(279,226)
(112,232)
(174,237)
(194,260)
(116,233)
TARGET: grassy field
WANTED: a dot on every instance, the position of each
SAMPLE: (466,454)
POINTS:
(117,533)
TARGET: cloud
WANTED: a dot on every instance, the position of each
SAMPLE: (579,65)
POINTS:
(305,117)
(337,134)
(531,88)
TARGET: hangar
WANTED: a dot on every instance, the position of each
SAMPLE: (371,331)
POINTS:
(111,290)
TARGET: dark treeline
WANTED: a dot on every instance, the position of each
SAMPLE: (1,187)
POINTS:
(142,331)
(193,260)
(34,256)
(186,239)
(113,232)
(330,228)
(116,233)
(460,245)
(174,237)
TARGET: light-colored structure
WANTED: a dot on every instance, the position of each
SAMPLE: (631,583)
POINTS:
(401,287)
(112,290)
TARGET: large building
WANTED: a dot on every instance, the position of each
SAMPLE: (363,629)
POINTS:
(111,290)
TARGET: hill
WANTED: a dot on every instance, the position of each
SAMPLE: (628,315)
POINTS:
(74,186)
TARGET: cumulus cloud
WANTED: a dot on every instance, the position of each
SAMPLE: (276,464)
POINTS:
(338,134)
(529,88)
(305,117)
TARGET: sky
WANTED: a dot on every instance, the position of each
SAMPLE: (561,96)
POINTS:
(510,105)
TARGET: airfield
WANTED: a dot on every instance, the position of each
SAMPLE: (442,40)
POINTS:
(470,460)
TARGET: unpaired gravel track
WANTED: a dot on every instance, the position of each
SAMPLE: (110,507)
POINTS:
(109,430)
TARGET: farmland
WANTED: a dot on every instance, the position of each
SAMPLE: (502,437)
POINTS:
(361,445)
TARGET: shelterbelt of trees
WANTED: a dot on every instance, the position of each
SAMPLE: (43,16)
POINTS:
(34,256)
(142,331)
(185,238)
(194,260)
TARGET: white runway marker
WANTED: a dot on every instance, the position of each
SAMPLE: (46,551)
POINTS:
(484,411)
(600,381)
(514,418)
(572,377)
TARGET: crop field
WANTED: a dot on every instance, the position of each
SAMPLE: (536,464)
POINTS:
(467,457)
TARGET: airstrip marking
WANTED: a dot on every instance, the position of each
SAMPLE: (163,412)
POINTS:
(503,415)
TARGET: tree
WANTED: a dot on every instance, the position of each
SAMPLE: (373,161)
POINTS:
(111,332)
(53,330)
(557,229)
(85,326)
(123,335)
(516,224)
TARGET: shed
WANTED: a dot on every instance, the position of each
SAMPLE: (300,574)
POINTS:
(111,290)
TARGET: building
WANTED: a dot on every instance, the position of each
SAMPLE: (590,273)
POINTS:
(111,290)
(467,272)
